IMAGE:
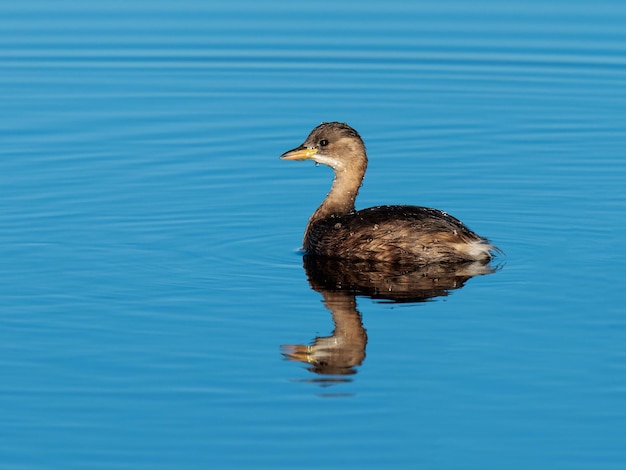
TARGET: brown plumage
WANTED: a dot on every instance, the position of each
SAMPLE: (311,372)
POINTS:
(397,234)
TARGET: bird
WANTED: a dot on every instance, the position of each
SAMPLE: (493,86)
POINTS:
(399,234)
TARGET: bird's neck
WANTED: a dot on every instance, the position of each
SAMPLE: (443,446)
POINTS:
(340,199)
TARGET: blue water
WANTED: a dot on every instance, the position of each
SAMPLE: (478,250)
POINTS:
(151,286)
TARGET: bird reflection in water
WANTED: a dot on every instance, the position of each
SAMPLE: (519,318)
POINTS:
(340,281)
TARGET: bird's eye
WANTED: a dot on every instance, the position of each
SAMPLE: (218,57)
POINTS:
(323,143)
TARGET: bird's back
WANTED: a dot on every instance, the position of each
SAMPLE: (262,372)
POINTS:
(396,234)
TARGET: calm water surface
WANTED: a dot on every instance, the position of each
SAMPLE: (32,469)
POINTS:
(156,311)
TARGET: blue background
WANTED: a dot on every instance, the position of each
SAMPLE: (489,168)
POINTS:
(149,234)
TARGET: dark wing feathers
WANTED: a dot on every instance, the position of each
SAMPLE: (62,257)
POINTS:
(392,233)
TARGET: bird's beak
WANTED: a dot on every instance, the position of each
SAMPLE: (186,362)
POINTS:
(299,153)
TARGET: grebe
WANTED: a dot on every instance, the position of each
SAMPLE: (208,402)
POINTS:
(395,234)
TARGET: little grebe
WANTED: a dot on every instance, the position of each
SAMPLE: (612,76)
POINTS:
(397,234)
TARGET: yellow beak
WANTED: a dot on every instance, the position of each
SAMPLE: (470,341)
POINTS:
(300,153)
